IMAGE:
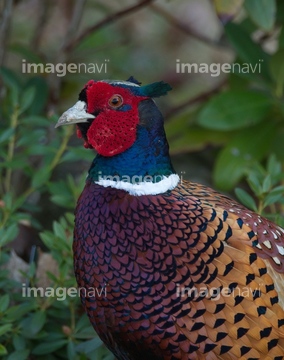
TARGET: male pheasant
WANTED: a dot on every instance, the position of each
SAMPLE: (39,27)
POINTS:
(183,271)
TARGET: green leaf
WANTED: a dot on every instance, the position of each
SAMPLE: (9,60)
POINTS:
(41,177)
(6,135)
(109,356)
(15,94)
(246,199)
(3,350)
(266,184)
(48,240)
(5,328)
(19,355)
(248,51)
(4,302)
(8,234)
(19,342)
(8,200)
(58,230)
(63,200)
(18,311)
(234,110)
(70,218)
(274,167)
(82,323)
(278,190)
(254,183)
(275,195)
(89,346)
(36,322)
(49,347)
(247,147)
(27,99)
(262,12)
(64,193)
(71,352)
(10,78)
(272,199)
(85,333)
(41,95)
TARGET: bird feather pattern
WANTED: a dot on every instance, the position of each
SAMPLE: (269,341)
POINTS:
(184,272)
(193,237)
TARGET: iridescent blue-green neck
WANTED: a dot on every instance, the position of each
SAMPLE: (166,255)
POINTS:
(146,160)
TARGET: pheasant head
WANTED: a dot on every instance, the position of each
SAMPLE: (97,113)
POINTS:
(120,120)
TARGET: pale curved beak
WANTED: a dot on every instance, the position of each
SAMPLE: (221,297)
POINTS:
(76,114)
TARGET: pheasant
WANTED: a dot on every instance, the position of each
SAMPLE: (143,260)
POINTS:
(167,269)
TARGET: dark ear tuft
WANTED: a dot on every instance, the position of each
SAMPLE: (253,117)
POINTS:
(155,89)
(133,80)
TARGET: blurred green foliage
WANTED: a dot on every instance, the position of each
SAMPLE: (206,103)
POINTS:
(266,185)
(39,327)
(246,118)
(236,123)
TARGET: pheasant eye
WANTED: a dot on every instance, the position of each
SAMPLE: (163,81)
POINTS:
(115,101)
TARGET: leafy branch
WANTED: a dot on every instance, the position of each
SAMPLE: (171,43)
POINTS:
(108,20)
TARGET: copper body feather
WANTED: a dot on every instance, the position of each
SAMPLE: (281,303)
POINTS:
(188,274)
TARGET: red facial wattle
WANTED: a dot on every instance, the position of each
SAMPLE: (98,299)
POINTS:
(80,136)
(112,135)
(114,129)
